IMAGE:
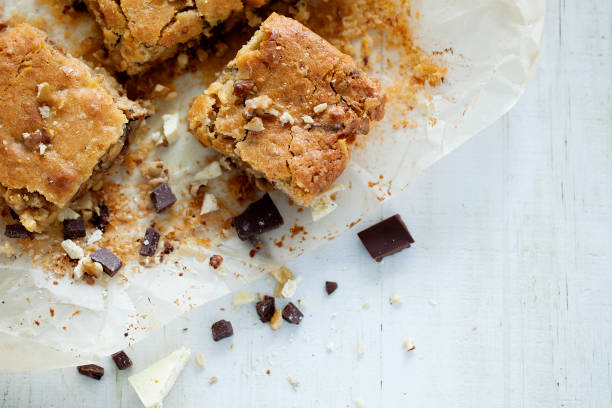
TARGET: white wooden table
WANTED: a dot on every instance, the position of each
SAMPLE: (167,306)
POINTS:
(507,292)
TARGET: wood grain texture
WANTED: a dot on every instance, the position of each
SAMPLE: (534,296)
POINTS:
(506,292)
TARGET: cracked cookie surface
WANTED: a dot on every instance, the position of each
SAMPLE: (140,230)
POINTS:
(140,33)
(60,122)
(286,107)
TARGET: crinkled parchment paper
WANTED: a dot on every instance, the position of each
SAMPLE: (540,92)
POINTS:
(495,47)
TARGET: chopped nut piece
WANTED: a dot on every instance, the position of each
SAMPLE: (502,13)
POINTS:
(199,360)
(255,125)
(408,345)
(286,118)
(73,250)
(395,299)
(213,380)
(320,108)
(308,119)
(170,127)
(242,88)
(213,170)
(209,204)
(323,204)
(152,169)
(67,214)
(94,237)
(290,287)
(91,267)
(277,320)
(215,261)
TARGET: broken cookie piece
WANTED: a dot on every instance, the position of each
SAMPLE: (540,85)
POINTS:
(139,34)
(286,108)
(62,126)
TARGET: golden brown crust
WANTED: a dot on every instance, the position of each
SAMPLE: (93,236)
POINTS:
(58,122)
(139,33)
(286,106)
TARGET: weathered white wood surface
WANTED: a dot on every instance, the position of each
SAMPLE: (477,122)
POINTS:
(514,246)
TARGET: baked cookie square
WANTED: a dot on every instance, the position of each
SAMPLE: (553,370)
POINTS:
(140,33)
(286,109)
(62,125)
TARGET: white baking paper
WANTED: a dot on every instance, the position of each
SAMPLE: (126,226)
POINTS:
(496,45)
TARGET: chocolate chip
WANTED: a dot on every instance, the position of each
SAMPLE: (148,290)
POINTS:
(215,261)
(109,261)
(292,314)
(265,309)
(168,247)
(74,229)
(259,217)
(121,360)
(386,238)
(330,287)
(162,197)
(14,215)
(16,231)
(101,217)
(149,242)
(221,330)
(242,88)
(91,370)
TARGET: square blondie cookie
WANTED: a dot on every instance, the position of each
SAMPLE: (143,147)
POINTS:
(285,108)
(62,125)
(141,33)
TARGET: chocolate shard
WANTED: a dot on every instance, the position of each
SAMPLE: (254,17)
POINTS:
(259,217)
(330,287)
(215,261)
(265,309)
(91,370)
(14,215)
(101,217)
(74,229)
(291,314)
(149,242)
(109,261)
(221,330)
(16,231)
(386,238)
(162,197)
(243,87)
(122,361)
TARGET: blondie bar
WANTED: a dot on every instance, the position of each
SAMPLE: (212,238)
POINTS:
(62,125)
(140,33)
(286,107)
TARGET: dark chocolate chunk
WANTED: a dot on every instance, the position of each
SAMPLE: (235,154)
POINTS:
(265,309)
(330,287)
(162,197)
(386,238)
(259,217)
(16,231)
(121,360)
(149,242)
(101,217)
(109,261)
(221,330)
(74,229)
(242,88)
(292,314)
(168,247)
(14,215)
(215,261)
(91,370)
